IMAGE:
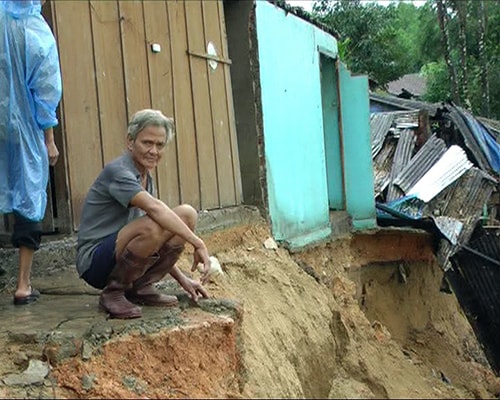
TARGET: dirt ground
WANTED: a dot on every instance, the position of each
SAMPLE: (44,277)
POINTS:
(328,322)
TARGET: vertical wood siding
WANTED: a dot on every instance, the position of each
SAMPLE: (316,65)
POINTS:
(183,103)
(109,72)
(81,128)
(220,120)
(162,95)
(202,107)
(109,77)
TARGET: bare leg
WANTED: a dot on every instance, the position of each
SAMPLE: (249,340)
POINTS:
(144,237)
(23,278)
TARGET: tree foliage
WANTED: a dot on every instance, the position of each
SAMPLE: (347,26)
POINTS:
(460,58)
(371,45)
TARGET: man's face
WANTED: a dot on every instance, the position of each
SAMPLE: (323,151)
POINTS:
(148,147)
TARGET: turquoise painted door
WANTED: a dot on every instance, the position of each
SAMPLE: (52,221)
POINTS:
(330,108)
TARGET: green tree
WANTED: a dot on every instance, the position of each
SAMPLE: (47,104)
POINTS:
(483,61)
(407,24)
(444,27)
(428,36)
(371,43)
(461,7)
(438,83)
(473,35)
(454,43)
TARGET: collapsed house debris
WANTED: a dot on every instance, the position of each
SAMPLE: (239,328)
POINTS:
(437,168)
(474,278)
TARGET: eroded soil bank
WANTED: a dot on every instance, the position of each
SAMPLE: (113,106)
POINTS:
(351,319)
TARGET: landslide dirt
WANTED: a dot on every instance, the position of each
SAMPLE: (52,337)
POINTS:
(326,322)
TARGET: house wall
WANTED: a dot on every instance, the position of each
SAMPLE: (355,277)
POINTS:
(289,65)
(110,71)
(356,148)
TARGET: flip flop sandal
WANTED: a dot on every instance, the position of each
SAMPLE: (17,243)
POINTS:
(31,298)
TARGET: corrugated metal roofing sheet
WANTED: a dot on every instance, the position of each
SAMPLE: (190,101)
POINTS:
(424,159)
(379,127)
(390,154)
(464,200)
(404,151)
(449,227)
(476,273)
(469,139)
(406,104)
(452,164)
(489,245)
(382,166)
(406,120)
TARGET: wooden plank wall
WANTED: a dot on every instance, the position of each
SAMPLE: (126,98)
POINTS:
(109,72)
(79,106)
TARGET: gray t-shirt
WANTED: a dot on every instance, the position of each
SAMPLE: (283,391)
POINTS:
(106,208)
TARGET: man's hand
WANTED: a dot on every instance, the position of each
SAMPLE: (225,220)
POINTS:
(53,153)
(52,150)
(201,256)
(194,289)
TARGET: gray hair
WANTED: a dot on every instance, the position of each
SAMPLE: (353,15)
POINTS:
(148,117)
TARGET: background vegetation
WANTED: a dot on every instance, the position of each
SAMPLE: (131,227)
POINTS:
(455,44)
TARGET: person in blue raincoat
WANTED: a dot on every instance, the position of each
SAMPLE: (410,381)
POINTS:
(30,91)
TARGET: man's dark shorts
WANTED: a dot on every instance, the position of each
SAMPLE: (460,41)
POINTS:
(26,233)
(102,264)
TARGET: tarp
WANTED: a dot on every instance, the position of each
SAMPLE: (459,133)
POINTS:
(485,140)
(30,90)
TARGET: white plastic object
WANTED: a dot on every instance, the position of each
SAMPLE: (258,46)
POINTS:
(155,48)
(215,267)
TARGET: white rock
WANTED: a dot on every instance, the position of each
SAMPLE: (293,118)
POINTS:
(35,374)
(270,244)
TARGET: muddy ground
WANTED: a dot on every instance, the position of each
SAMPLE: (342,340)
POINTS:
(360,317)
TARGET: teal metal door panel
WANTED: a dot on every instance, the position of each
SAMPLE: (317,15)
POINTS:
(293,126)
(356,142)
(330,106)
